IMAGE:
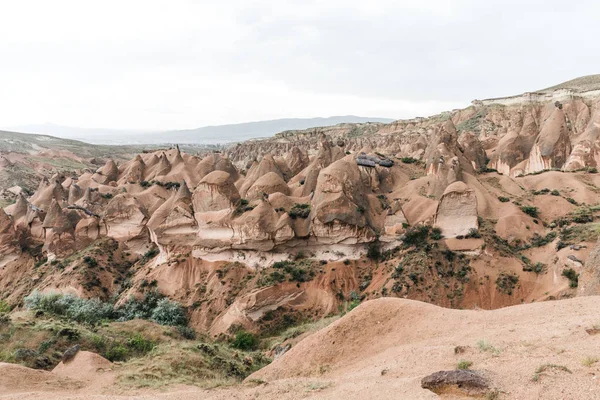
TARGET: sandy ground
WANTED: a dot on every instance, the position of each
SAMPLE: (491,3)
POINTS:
(382,350)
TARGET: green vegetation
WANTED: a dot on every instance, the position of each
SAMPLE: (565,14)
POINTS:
(542,368)
(243,206)
(503,199)
(436,233)
(4,307)
(473,233)
(154,306)
(245,341)
(485,347)
(409,160)
(417,236)
(464,364)
(473,124)
(539,241)
(531,211)
(589,361)
(374,251)
(301,270)
(507,282)
(299,211)
(572,276)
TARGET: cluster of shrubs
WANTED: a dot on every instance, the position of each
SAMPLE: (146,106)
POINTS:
(572,276)
(299,211)
(531,211)
(507,282)
(154,306)
(243,206)
(296,270)
(409,160)
(418,235)
(166,185)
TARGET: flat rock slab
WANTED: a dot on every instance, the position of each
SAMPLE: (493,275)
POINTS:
(464,382)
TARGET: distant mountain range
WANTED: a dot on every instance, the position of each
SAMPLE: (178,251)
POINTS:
(219,134)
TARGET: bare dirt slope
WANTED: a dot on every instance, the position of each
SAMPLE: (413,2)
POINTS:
(382,350)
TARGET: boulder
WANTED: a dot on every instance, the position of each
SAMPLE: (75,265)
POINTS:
(462,382)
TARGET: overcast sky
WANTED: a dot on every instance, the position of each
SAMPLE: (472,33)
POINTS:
(182,64)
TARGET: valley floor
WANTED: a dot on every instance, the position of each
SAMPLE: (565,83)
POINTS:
(382,350)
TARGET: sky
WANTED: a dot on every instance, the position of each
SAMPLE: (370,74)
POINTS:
(176,64)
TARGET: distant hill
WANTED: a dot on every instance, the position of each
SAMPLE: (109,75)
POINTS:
(204,135)
(250,130)
(582,84)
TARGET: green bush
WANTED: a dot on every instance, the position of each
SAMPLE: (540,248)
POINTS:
(299,211)
(503,199)
(186,332)
(555,193)
(4,307)
(473,233)
(530,210)
(374,251)
(436,233)
(245,341)
(90,261)
(464,364)
(572,276)
(409,160)
(507,282)
(417,235)
(154,306)
(169,313)
(117,352)
(140,344)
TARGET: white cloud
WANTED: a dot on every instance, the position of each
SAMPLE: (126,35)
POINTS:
(182,64)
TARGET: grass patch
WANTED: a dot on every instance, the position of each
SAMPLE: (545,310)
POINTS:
(464,364)
(545,367)
(589,361)
(485,347)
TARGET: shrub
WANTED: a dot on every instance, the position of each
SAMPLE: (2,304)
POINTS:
(374,251)
(473,233)
(243,206)
(186,332)
(506,282)
(530,210)
(464,364)
(90,311)
(90,261)
(245,341)
(436,233)
(140,344)
(409,160)
(299,211)
(571,200)
(555,193)
(417,235)
(572,276)
(503,199)
(168,312)
(542,368)
(117,352)
(4,307)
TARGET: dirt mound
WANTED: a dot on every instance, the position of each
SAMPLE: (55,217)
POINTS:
(84,366)
(18,379)
(391,340)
